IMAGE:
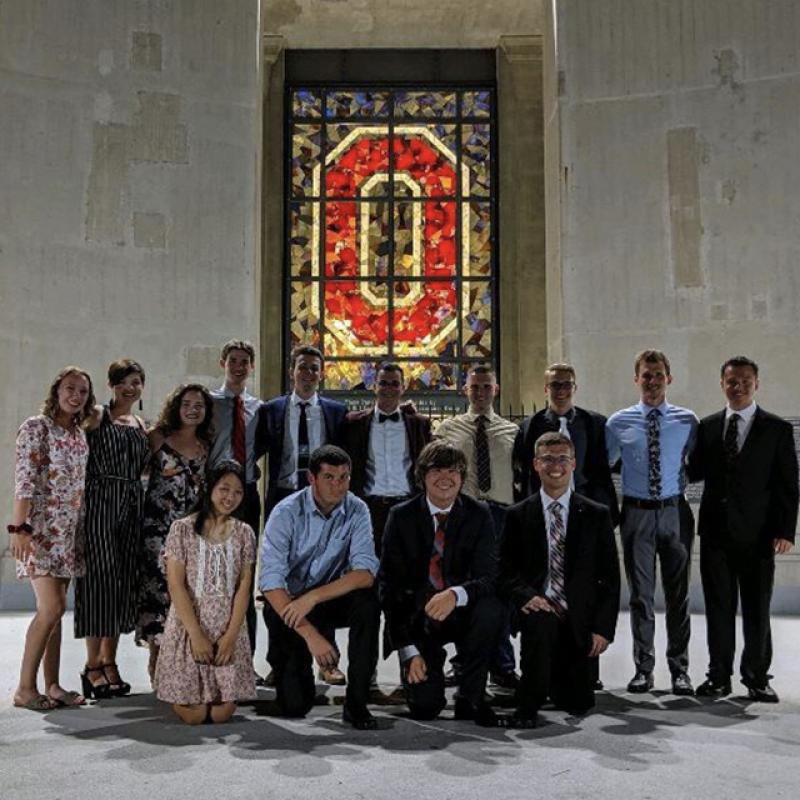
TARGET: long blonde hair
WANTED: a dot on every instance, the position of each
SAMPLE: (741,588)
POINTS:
(50,406)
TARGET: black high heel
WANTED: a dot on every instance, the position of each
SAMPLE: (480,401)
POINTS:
(117,688)
(94,691)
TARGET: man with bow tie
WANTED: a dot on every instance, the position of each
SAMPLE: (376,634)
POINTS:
(384,443)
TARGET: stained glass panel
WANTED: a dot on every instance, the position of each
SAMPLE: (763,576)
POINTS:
(476,319)
(356,239)
(357,317)
(357,104)
(355,155)
(305,159)
(480,239)
(476,144)
(426,153)
(306,103)
(425,104)
(426,376)
(425,315)
(300,239)
(476,104)
(349,376)
(302,304)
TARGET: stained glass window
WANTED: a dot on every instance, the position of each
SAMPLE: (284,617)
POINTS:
(391,244)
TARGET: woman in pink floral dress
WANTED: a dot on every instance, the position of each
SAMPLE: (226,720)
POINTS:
(204,664)
(50,468)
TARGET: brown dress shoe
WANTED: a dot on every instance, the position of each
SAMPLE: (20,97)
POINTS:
(333,676)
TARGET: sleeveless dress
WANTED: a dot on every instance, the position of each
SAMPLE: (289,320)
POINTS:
(105,603)
(212,574)
(174,486)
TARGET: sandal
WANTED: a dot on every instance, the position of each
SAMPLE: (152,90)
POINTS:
(68,699)
(118,688)
(39,702)
(96,691)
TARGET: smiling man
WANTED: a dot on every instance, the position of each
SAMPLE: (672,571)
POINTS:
(654,438)
(748,515)
(559,569)
(437,581)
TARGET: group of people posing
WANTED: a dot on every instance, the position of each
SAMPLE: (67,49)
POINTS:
(467,535)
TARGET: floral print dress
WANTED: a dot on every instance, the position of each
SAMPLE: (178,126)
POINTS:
(175,483)
(50,471)
(212,575)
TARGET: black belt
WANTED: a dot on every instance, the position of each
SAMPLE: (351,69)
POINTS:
(638,502)
(382,500)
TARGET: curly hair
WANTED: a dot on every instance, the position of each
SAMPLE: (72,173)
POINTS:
(169,419)
(50,405)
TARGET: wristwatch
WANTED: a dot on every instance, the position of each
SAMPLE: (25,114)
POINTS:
(23,528)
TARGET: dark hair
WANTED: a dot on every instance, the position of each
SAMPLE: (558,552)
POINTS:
(238,344)
(169,420)
(391,366)
(120,369)
(203,507)
(439,455)
(561,366)
(650,357)
(739,361)
(305,350)
(482,369)
(327,454)
(50,406)
(553,439)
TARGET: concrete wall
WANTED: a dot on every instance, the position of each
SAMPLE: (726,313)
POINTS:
(679,175)
(129,194)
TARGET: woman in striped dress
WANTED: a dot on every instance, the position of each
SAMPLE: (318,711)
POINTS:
(105,602)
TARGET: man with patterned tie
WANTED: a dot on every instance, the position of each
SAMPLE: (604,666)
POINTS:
(437,585)
(748,515)
(559,568)
(654,438)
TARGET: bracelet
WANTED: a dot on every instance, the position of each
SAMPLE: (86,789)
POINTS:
(23,528)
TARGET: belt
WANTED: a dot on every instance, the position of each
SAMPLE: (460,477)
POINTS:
(638,502)
(386,500)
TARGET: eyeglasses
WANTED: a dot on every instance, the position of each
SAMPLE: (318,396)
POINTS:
(389,384)
(556,386)
(562,461)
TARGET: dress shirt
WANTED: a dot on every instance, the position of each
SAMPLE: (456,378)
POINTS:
(462,598)
(303,548)
(287,478)
(223,427)
(563,501)
(745,423)
(626,437)
(460,432)
(576,430)
(388,452)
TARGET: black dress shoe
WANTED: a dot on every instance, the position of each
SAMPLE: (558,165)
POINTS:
(598,685)
(713,688)
(641,682)
(482,714)
(523,718)
(452,677)
(682,685)
(361,720)
(762,694)
(505,680)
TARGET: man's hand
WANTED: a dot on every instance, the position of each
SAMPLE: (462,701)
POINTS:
(782,546)
(298,609)
(202,649)
(599,645)
(416,669)
(225,647)
(323,652)
(537,603)
(441,605)
(21,545)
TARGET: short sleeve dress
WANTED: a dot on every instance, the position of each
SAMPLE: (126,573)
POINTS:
(50,470)
(212,575)
(175,484)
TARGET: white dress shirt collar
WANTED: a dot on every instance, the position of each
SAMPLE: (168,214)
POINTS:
(563,501)
(746,414)
(435,510)
(312,401)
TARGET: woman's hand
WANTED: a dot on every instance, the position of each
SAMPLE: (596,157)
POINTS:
(21,545)
(226,644)
(202,649)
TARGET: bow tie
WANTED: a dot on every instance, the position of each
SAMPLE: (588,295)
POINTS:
(393,417)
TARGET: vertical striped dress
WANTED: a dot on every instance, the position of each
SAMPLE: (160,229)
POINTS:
(105,599)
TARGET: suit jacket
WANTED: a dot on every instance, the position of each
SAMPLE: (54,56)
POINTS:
(470,560)
(599,486)
(591,567)
(271,429)
(355,435)
(758,499)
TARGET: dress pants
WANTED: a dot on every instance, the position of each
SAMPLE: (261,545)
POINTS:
(291,661)
(379,508)
(251,513)
(729,571)
(667,533)
(474,630)
(553,665)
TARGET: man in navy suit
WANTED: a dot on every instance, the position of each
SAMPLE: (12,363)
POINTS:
(748,515)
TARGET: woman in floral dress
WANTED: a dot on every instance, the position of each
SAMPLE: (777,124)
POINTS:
(204,664)
(180,442)
(50,468)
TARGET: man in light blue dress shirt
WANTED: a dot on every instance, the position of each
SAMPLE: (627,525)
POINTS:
(318,566)
(654,438)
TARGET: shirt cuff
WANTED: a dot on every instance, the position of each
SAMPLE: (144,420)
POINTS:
(462,598)
(269,582)
(406,653)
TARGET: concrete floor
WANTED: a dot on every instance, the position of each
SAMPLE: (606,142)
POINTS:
(651,746)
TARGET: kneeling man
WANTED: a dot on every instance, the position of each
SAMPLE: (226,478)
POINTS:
(318,567)
(560,570)
(437,585)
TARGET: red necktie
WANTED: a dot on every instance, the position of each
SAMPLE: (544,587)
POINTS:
(237,433)
(435,575)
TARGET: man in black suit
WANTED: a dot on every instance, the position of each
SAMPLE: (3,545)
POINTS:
(748,514)
(587,429)
(437,580)
(559,567)
(384,442)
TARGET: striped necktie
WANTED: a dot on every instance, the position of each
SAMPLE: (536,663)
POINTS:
(557,539)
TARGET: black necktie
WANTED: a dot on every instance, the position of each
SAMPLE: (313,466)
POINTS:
(731,442)
(302,448)
(482,455)
(395,417)
(654,454)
